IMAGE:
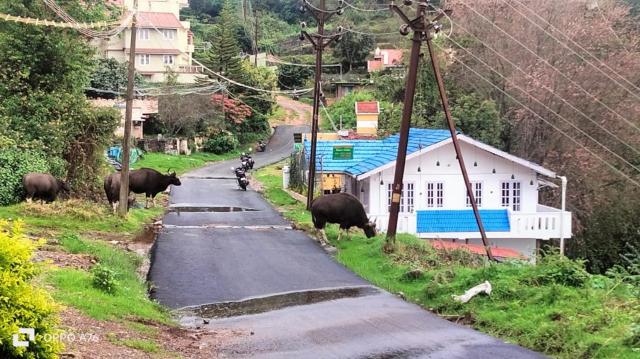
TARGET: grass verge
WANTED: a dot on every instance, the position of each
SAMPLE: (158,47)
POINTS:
(555,307)
(75,287)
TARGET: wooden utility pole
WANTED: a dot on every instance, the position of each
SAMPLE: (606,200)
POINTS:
(422,29)
(123,204)
(255,49)
(319,42)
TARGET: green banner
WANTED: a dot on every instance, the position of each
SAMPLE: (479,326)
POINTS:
(342,152)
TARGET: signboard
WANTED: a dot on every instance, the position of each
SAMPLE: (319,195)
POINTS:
(342,152)
(297,138)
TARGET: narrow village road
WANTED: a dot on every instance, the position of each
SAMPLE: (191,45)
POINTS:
(227,252)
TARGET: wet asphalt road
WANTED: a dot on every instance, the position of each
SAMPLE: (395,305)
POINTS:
(207,257)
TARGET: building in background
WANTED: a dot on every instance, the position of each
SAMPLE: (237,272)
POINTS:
(163,41)
(384,59)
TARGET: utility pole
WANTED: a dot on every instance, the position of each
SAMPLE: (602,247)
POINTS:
(319,42)
(123,205)
(422,29)
(255,16)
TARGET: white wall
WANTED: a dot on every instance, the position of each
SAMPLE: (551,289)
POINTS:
(449,173)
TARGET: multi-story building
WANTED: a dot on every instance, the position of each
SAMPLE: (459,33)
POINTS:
(163,41)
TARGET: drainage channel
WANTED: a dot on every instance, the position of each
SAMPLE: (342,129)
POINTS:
(268,303)
(208,209)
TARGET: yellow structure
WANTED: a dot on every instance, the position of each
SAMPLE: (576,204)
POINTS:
(331,182)
(163,41)
(367,113)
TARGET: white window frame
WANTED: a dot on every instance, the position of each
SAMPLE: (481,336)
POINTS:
(435,194)
(511,195)
(476,187)
(143,59)
(171,58)
(143,34)
(169,34)
(408,195)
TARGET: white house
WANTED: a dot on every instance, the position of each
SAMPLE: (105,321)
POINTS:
(434,202)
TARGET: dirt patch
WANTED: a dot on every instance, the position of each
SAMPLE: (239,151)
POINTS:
(66,260)
(85,337)
(298,113)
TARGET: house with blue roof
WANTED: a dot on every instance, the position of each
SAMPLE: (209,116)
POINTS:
(434,202)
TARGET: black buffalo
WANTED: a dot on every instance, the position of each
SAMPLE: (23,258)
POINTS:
(144,180)
(343,209)
(112,190)
(43,186)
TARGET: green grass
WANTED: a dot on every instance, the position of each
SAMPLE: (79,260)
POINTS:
(147,346)
(79,216)
(74,287)
(180,163)
(554,307)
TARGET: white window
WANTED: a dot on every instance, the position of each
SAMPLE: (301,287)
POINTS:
(510,195)
(477,193)
(168,59)
(144,59)
(143,34)
(406,198)
(169,34)
(435,194)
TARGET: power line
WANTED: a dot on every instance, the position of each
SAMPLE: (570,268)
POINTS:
(551,91)
(630,123)
(551,110)
(386,8)
(546,121)
(577,45)
(230,80)
(81,26)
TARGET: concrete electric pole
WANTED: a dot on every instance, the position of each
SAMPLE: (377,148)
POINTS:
(422,29)
(123,204)
(319,42)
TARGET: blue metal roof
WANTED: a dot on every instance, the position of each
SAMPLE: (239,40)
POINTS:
(371,154)
(433,221)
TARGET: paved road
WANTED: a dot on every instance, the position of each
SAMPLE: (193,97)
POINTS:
(226,251)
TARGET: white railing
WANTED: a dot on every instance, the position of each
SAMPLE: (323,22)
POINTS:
(544,224)
(190,69)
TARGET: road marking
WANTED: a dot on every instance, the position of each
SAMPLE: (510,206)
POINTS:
(220,226)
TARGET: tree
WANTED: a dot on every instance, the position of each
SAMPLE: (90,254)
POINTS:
(110,75)
(43,74)
(224,54)
(294,77)
(353,48)
(344,109)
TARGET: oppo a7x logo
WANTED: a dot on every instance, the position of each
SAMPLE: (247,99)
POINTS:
(31,336)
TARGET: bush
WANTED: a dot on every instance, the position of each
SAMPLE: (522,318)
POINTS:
(220,144)
(23,305)
(104,279)
(14,164)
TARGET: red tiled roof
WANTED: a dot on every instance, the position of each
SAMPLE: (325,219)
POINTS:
(367,107)
(499,252)
(161,20)
(394,57)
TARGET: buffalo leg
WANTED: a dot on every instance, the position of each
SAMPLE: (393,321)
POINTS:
(339,234)
(114,205)
(29,199)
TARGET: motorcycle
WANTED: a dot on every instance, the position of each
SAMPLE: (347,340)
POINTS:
(261,146)
(241,176)
(247,161)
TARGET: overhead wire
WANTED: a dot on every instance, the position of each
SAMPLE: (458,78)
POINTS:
(551,26)
(584,133)
(562,74)
(571,138)
(386,8)
(547,88)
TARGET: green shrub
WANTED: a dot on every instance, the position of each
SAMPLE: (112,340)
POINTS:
(222,143)
(23,305)
(104,279)
(14,164)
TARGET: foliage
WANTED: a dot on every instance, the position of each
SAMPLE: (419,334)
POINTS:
(235,112)
(296,172)
(224,53)
(221,143)
(24,305)
(353,48)
(43,74)
(345,108)
(187,115)
(292,77)
(110,75)
(14,164)
(181,164)
(104,279)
